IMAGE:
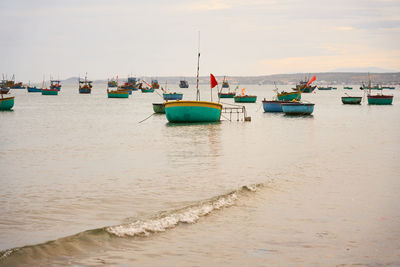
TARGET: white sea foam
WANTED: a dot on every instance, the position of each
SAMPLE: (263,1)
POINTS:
(189,214)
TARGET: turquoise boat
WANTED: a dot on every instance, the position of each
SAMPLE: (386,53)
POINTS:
(49,91)
(33,89)
(159,108)
(117,94)
(245,99)
(285,96)
(324,88)
(348,88)
(227,95)
(193,111)
(351,100)
(380,99)
(6,103)
(172,96)
(298,108)
(147,90)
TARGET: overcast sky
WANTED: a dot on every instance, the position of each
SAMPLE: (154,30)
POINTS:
(66,38)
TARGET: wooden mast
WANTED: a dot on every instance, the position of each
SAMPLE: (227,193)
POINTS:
(198,68)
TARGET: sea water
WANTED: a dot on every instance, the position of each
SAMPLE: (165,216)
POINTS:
(84,183)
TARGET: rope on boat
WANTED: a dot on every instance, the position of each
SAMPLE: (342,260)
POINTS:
(146,118)
(226,118)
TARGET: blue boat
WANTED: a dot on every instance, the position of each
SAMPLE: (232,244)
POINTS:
(273,105)
(172,96)
(298,108)
(33,89)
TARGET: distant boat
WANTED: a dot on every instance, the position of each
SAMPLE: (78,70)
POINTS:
(324,88)
(297,108)
(334,88)
(273,105)
(17,86)
(172,96)
(55,84)
(155,84)
(49,91)
(304,86)
(85,86)
(131,84)
(112,82)
(33,89)
(352,100)
(348,88)
(285,96)
(4,90)
(389,87)
(159,108)
(245,99)
(370,87)
(117,94)
(194,111)
(147,90)
(6,103)
(228,94)
(183,84)
(379,99)
(225,84)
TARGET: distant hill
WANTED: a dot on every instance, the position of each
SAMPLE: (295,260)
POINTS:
(365,69)
(322,78)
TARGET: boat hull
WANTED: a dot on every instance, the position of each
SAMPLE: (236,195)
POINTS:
(273,105)
(380,99)
(348,88)
(325,88)
(147,90)
(226,95)
(298,108)
(245,99)
(85,91)
(4,90)
(193,111)
(33,90)
(351,100)
(159,108)
(289,96)
(6,103)
(49,92)
(120,94)
(172,96)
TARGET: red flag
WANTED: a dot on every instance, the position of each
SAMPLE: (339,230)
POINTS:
(213,81)
(311,80)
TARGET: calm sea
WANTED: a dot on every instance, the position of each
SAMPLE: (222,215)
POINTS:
(84,183)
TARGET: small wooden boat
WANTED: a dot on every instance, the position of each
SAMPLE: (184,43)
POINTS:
(193,111)
(285,96)
(324,88)
(155,84)
(183,84)
(380,99)
(348,88)
(147,90)
(245,99)
(159,108)
(85,86)
(351,100)
(273,105)
(227,95)
(55,84)
(117,94)
(49,91)
(33,89)
(6,103)
(297,108)
(4,90)
(172,96)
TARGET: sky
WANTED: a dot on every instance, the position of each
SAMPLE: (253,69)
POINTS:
(65,38)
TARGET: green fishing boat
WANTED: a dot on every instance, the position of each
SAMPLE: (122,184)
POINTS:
(351,100)
(159,108)
(245,99)
(6,103)
(285,96)
(193,111)
(348,88)
(117,94)
(380,99)
(49,91)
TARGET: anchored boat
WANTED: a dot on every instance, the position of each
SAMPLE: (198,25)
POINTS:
(85,86)
(55,85)
(351,100)
(155,84)
(6,103)
(297,108)
(228,94)
(33,89)
(183,84)
(159,108)
(273,105)
(304,86)
(348,88)
(194,111)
